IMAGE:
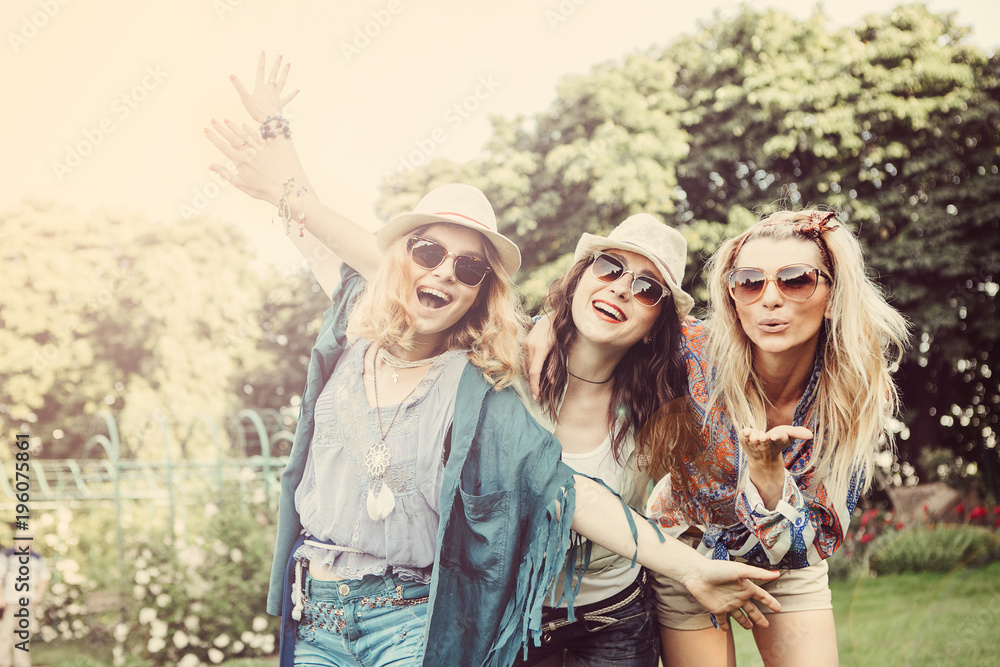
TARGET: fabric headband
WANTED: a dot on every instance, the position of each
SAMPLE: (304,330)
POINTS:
(818,223)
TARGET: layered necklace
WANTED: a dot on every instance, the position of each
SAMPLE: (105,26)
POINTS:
(394,362)
(379,457)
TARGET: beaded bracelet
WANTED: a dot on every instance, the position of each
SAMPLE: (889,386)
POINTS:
(282,126)
(284,210)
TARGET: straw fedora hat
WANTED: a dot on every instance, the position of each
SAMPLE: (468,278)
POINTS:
(646,235)
(457,204)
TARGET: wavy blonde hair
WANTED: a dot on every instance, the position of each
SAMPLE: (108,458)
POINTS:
(491,330)
(863,342)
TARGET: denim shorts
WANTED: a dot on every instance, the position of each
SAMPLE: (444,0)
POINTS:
(374,621)
(620,630)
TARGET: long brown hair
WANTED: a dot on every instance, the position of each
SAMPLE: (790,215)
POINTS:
(646,377)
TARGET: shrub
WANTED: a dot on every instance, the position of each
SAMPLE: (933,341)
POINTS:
(934,548)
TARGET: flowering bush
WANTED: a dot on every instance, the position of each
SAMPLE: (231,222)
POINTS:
(877,536)
(194,599)
(201,601)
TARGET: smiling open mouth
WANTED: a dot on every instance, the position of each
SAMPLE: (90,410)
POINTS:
(610,311)
(432,298)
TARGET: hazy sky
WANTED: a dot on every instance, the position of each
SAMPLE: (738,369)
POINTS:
(105,100)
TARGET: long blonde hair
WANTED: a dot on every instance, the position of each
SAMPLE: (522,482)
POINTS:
(863,342)
(491,330)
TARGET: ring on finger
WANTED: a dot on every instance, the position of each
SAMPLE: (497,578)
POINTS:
(242,146)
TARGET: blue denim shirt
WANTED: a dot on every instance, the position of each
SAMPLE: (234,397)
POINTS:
(500,543)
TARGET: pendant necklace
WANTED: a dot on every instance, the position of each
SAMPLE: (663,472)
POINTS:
(378,458)
(391,360)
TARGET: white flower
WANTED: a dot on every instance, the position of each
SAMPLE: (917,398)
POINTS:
(162,600)
(48,634)
(191,623)
(196,607)
(155,644)
(268,644)
(189,660)
(158,629)
(121,633)
(59,588)
(74,609)
(246,636)
(77,624)
(219,548)
(147,554)
(211,510)
(236,556)
(216,656)
(180,639)
(222,641)
(118,653)
(142,577)
(147,615)
(138,592)
(259,624)
(140,563)
(238,646)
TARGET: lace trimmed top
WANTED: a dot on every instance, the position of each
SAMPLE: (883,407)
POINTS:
(331,499)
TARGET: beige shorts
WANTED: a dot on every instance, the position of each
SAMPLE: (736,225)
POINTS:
(807,589)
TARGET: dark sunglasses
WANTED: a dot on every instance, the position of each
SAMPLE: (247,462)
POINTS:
(797,282)
(469,270)
(645,290)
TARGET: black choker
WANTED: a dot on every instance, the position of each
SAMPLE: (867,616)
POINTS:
(586,380)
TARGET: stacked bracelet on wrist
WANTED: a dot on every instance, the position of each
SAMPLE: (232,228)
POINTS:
(272,125)
(285,211)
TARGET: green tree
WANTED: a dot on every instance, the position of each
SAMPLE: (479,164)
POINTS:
(893,122)
(110,311)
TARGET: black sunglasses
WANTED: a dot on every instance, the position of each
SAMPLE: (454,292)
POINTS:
(645,290)
(469,270)
(797,282)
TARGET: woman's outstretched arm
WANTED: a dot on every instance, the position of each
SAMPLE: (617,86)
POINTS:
(723,587)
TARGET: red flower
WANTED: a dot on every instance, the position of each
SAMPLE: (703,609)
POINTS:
(996,522)
(996,510)
(926,508)
(960,509)
(864,519)
(900,526)
(866,538)
(977,513)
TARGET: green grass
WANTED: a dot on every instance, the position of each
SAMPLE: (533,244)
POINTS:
(911,619)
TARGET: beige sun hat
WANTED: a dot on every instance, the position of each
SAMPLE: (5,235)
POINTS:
(644,234)
(457,204)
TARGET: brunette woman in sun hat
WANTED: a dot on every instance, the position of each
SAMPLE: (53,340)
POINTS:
(616,317)
(424,514)
(790,397)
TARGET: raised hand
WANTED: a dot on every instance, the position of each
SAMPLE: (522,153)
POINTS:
(255,170)
(266,99)
(764,460)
